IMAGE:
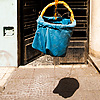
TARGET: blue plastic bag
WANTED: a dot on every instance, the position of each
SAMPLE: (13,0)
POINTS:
(52,36)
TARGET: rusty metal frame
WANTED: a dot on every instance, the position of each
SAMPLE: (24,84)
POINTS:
(18,34)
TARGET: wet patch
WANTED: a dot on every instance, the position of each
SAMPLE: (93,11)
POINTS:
(66,87)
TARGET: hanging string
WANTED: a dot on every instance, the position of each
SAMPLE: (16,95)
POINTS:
(55,15)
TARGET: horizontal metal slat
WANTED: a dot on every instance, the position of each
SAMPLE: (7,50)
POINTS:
(77,2)
(30,26)
(78,41)
(80,30)
(29,15)
(30,18)
(32,34)
(82,20)
(72,8)
(79,8)
(29,22)
(81,16)
(76,47)
(79,38)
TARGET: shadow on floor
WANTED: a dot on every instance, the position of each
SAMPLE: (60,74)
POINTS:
(66,87)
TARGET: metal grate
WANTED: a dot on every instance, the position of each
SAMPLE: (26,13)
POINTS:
(78,48)
(29,14)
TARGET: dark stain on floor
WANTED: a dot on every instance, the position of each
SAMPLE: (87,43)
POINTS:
(66,87)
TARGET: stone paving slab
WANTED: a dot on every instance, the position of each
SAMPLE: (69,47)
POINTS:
(38,81)
(89,95)
(90,83)
(5,73)
(42,82)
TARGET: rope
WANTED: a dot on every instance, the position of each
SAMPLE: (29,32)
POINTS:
(55,15)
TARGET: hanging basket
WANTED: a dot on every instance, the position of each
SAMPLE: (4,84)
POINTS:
(52,36)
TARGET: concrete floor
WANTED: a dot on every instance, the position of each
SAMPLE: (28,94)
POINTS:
(38,80)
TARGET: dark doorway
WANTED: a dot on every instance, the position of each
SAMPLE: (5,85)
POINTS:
(28,12)
(77,51)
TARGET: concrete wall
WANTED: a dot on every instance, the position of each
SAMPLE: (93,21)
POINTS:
(95,28)
(8,43)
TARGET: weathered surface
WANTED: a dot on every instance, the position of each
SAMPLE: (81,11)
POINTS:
(36,81)
(5,73)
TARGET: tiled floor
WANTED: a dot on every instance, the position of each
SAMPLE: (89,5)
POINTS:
(37,80)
